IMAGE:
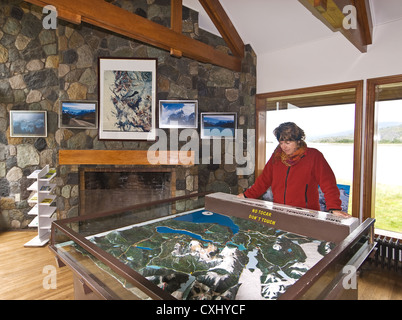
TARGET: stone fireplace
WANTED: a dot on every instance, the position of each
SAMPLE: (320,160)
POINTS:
(106,188)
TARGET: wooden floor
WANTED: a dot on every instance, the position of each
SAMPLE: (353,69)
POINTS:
(22,277)
(376,284)
(21,270)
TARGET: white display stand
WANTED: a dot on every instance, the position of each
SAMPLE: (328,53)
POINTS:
(42,209)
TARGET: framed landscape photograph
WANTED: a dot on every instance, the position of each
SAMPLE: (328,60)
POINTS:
(218,125)
(178,114)
(127,98)
(25,123)
(78,114)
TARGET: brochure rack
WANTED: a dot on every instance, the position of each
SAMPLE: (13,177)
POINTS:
(42,209)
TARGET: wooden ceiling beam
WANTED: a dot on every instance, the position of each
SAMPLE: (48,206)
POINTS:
(224,25)
(320,5)
(176,15)
(63,14)
(176,22)
(110,17)
(365,20)
(330,12)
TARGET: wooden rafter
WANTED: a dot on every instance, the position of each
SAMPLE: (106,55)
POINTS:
(320,5)
(110,17)
(224,25)
(176,14)
(365,20)
(176,23)
(330,12)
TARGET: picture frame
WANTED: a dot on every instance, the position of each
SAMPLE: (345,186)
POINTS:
(127,98)
(218,125)
(78,114)
(178,114)
(28,123)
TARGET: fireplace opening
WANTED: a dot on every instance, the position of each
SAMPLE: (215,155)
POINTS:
(104,189)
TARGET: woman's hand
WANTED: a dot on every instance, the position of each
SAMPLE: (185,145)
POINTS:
(340,213)
(241,196)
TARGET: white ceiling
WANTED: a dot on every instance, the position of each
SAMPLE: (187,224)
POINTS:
(270,25)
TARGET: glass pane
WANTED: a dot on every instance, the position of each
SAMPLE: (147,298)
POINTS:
(388,197)
(328,127)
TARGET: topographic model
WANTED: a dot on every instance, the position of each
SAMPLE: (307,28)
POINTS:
(205,255)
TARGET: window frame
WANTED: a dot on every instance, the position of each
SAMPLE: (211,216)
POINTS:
(260,142)
(370,154)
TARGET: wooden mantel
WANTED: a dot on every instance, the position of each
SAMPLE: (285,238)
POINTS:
(107,16)
(125,157)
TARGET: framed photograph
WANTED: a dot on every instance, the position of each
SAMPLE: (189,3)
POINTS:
(178,114)
(24,123)
(218,125)
(78,114)
(127,98)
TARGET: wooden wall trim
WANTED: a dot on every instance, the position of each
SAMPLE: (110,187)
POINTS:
(125,157)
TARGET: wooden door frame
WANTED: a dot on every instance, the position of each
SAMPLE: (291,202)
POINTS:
(357,153)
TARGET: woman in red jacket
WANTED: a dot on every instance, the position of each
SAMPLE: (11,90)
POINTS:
(294,173)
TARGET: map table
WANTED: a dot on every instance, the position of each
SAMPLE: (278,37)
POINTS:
(201,254)
(205,255)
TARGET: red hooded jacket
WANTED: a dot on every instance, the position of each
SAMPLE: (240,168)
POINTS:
(297,185)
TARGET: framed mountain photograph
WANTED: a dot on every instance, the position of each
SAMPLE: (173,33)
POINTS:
(218,125)
(78,114)
(178,114)
(25,123)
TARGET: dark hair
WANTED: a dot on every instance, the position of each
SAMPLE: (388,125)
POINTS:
(289,131)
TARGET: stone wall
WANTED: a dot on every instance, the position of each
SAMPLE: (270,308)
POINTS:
(39,68)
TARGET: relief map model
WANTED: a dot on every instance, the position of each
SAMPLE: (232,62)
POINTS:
(205,255)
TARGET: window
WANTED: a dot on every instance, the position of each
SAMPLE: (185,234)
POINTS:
(331,117)
(383,189)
